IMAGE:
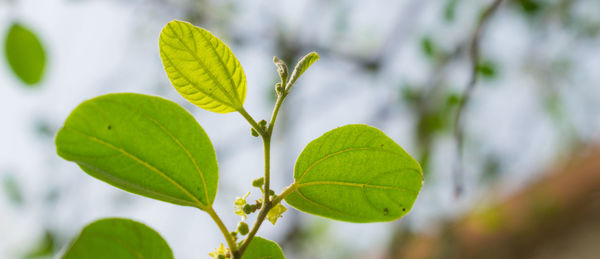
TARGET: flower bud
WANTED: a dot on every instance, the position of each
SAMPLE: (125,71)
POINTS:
(243,228)
(258,182)
(262,123)
(247,209)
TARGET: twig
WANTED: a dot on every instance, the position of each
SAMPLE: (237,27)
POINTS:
(474,59)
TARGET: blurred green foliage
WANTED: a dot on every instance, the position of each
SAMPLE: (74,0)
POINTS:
(428,47)
(45,247)
(12,189)
(25,54)
(487,69)
(450,10)
(529,7)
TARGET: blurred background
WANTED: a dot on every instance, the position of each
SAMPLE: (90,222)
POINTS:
(516,175)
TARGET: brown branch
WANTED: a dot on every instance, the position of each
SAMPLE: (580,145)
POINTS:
(474,59)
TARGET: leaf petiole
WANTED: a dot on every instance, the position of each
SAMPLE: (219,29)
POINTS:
(223,228)
(251,120)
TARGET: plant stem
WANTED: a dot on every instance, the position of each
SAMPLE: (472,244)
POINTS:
(223,228)
(474,59)
(278,103)
(267,148)
(262,215)
(267,205)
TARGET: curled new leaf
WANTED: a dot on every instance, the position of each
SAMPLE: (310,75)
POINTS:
(202,68)
(282,69)
(25,54)
(302,66)
(118,238)
(355,173)
(260,248)
(142,144)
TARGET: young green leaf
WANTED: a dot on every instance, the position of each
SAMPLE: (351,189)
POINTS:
(202,68)
(25,54)
(282,69)
(355,173)
(261,248)
(118,238)
(302,66)
(142,144)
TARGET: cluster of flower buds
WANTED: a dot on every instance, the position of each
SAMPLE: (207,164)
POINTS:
(263,126)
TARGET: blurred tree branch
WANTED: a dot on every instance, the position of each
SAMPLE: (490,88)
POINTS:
(474,59)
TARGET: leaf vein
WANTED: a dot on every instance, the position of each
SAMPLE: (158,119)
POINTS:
(176,140)
(143,163)
(227,54)
(338,153)
(207,70)
(193,84)
(361,185)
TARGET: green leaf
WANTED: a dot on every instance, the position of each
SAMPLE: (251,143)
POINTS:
(142,144)
(261,248)
(25,54)
(118,238)
(355,173)
(302,65)
(202,68)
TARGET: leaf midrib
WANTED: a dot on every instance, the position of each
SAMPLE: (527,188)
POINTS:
(352,149)
(200,89)
(214,50)
(350,184)
(206,69)
(176,140)
(143,163)
(160,196)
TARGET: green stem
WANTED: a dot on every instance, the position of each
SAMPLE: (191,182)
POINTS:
(251,120)
(267,148)
(223,228)
(261,217)
(267,205)
(278,103)
(259,220)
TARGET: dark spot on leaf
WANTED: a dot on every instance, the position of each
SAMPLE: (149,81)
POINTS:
(381,145)
(109,127)
(385,211)
(403,209)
